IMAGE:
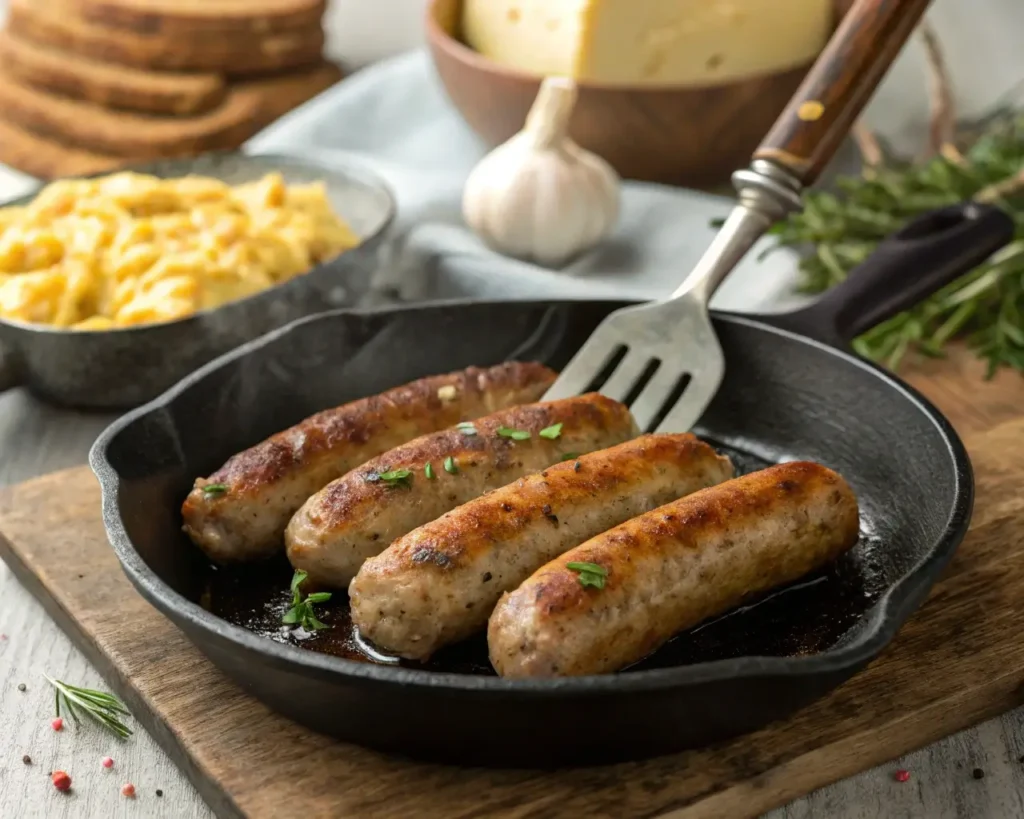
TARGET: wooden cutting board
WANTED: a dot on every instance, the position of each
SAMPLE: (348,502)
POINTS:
(958,661)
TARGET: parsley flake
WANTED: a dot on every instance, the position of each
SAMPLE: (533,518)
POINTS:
(301,612)
(514,434)
(394,477)
(215,489)
(450,466)
(466,428)
(551,432)
(591,574)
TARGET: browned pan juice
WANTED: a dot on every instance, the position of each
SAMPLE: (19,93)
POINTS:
(805,618)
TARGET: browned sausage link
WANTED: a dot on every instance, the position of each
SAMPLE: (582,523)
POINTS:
(439,583)
(257,491)
(358,515)
(670,569)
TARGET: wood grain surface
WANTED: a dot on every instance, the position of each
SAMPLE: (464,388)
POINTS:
(955,663)
(832,95)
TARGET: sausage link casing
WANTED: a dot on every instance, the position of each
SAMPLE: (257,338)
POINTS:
(439,583)
(265,484)
(672,568)
(354,518)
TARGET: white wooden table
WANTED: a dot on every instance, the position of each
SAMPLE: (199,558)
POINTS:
(35,439)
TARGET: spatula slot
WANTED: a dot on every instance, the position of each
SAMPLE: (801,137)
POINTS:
(609,367)
(645,376)
(670,401)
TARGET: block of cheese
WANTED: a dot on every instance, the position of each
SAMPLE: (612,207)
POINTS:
(648,42)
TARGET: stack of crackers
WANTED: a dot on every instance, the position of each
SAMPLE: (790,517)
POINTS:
(90,85)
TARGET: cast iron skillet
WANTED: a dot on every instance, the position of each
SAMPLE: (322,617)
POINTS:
(785,396)
(118,369)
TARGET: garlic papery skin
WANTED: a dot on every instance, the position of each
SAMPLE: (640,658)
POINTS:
(540,196)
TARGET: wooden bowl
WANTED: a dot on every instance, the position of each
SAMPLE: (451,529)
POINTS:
(693,135)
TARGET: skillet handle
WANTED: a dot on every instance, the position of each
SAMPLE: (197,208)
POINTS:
(928,253)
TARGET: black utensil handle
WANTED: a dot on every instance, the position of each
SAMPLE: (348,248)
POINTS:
(925,255)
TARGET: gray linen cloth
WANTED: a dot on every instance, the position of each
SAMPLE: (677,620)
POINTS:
(395,118)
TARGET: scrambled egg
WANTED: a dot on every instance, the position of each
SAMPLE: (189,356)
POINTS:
(128,249)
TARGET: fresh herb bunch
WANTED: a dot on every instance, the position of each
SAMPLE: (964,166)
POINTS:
(103,708)
(987,305)
(301,611)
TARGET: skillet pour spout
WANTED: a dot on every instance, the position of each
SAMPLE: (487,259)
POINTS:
(785,396)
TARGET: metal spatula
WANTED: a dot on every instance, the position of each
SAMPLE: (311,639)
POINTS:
(663,359)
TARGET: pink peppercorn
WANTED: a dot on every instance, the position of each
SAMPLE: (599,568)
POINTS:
(61,781)
(128,790)
(901,775)
(107,762)
(57,724)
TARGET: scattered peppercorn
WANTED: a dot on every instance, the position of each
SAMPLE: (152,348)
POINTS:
(107,762)
(159,792)
(27,759)
(61,781)
(128,789)
(57,724)
(1020,759)
(978,773)
(21,686)
(576,467)
(901,775)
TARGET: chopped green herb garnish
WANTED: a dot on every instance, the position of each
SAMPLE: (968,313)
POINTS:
(591,574)
(551,432)
(428,470)
(514,434)
(466,428)
(215,489)
(394,477)
(450,466)
(301,612)
(570,456)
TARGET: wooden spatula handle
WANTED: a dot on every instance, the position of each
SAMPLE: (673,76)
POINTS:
(839,85)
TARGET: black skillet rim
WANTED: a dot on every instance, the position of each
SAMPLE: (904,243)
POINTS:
(890,612)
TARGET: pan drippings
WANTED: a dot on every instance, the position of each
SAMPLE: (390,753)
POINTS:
(806,618)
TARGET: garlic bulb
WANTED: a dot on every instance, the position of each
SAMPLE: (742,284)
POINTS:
(540,196)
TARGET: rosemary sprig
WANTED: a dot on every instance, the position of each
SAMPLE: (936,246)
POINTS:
(301,611)
(982,161)
(99,706)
